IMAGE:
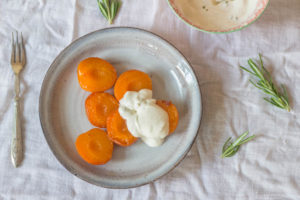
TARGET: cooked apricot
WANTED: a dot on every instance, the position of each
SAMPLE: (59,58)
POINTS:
(96,75)
(117,130)
(132,80)
(170,108)
(94,147)
(99,106)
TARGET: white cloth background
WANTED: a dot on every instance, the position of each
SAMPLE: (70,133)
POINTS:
(266,168)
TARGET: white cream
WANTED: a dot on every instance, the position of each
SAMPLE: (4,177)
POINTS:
(217,14)
(144,118)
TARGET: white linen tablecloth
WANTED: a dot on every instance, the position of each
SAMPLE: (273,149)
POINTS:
(266,168)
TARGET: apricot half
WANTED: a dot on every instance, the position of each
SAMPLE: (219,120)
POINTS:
(96,75)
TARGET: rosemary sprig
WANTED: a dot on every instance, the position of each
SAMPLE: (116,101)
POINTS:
(265,84)
(230,148)
(109,9)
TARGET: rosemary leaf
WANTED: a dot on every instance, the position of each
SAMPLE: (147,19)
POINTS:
(112,9)
(102,9)
(248,70)
(268,100)
(109,8)
(232,149)
(285,95)
(225,146)
(240,138)
(255,69)
(106,3)
(118,4)
(265,84)
(247,139)
(232,152)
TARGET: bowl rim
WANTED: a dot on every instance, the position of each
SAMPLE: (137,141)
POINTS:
(49,141)
(217,32)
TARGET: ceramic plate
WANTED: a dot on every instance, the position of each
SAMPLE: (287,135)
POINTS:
(63,117)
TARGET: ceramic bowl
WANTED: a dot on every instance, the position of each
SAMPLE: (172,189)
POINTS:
(189,13)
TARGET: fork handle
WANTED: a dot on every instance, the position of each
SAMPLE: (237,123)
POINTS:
(16,144)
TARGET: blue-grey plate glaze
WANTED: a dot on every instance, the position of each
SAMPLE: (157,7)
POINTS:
(63,117)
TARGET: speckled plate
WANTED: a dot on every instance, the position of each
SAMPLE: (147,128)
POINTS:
(63,117)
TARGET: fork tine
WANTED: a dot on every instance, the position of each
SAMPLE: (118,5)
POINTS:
(12,59)
(23,56)
(17,48)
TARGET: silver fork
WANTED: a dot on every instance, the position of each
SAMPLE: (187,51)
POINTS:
(17,62)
